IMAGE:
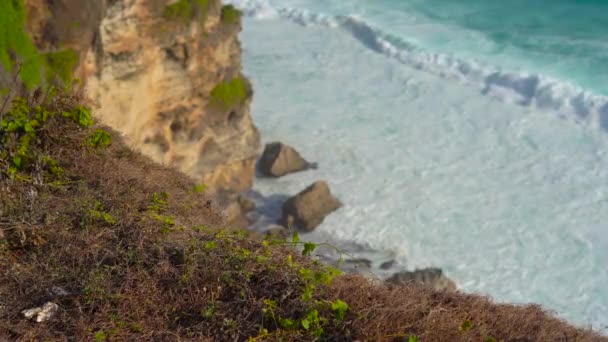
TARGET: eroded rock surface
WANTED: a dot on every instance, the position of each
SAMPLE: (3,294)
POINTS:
(151,77)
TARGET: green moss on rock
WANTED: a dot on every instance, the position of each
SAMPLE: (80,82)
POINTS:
(60,64)
(187,10)
(230,15)
(229,94)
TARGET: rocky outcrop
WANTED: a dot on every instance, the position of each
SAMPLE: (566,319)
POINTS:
(308,209)
(279,159)
(431,277)
(170,81)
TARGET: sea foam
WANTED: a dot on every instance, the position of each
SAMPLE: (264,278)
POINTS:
(525,89)
(438,162)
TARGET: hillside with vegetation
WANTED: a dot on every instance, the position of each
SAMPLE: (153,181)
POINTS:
(100,243)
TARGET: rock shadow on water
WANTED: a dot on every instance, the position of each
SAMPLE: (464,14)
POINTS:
(268,209)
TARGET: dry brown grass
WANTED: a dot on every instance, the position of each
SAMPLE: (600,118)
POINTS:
(133,244)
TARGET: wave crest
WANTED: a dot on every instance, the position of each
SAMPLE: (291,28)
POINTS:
(525,89)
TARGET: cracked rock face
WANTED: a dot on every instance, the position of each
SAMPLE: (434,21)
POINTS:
(150,78)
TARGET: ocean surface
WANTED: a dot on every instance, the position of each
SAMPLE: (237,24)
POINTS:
(469,135)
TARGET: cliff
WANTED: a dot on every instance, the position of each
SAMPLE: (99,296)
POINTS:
(166,74)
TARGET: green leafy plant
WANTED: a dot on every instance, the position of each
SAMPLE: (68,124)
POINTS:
(100,138)
(339,308)
(158,201)
(309,247)
(18,130)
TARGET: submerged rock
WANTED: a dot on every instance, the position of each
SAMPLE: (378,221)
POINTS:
(387,265)
(279,159)
(431,277)
(308,209)
(42,313)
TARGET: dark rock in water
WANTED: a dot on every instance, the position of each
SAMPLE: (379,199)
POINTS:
(359,262)
(308,209)
(387,265)
(279,159)
(432,277)
(360,266)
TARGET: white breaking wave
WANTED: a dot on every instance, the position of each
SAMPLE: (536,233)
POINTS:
(521,88)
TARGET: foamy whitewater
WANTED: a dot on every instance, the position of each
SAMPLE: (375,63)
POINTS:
(467,135)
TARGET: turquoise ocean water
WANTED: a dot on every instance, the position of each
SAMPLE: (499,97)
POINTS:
(469,135)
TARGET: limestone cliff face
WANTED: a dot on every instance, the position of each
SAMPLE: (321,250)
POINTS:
(150,76)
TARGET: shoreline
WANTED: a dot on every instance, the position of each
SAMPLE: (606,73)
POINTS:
(510,271)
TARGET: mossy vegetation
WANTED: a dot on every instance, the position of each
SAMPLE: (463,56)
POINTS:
(187,10)
(16,46)
(17,51)
(59,66)
(129,250)
(19,128)
(228,95)
(230,15)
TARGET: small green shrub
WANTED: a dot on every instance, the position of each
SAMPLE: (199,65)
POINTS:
(100,138)
(466,325)
(19,128)
(339,308)
(229,94)
(81,115)
(230,15)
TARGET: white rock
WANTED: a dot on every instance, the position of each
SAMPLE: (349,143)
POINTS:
(43,313)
